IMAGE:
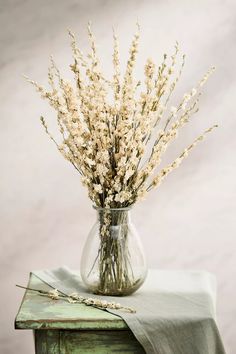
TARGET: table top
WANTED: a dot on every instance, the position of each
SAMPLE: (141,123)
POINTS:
(40,312)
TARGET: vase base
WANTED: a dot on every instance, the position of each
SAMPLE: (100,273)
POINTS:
(116,291)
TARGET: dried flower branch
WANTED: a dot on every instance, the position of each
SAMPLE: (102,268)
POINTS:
(109,127)
(73,298)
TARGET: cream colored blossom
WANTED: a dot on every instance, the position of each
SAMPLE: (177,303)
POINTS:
(115,132)
(54,294)
(98,188)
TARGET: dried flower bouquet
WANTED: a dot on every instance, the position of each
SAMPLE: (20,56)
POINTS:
(115,132)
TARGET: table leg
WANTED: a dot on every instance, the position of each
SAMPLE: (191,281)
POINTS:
(47,341)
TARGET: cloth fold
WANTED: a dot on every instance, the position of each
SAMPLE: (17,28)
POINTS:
(175,309)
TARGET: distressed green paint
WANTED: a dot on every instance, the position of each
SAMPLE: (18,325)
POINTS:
(61,327)
(39,312)
(47,342)
(99,342)
(86,342)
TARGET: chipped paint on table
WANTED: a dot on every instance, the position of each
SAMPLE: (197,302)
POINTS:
(61,327)
(40,312)
(86,342)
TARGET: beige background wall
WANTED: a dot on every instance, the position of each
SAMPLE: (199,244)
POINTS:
(45,213)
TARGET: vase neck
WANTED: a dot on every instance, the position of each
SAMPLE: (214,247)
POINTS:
(113,216)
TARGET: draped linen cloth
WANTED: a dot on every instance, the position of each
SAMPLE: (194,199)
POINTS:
(175,310)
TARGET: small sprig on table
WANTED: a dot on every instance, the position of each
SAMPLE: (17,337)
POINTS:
(55,294)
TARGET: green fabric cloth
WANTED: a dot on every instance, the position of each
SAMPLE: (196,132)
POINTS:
(176,310)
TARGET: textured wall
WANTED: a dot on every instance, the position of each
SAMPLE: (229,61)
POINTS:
(45,214)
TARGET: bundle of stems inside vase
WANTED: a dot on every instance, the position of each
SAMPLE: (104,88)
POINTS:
(115,267)
(114,131)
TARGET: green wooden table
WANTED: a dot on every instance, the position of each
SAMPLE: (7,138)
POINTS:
(61,327)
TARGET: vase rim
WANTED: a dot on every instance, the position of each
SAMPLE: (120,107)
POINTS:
(112,209)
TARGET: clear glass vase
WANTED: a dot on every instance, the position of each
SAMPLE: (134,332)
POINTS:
(113,261)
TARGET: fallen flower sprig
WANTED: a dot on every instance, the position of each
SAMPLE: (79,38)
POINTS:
(55,294)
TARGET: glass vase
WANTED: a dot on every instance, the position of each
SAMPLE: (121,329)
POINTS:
(113,261)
